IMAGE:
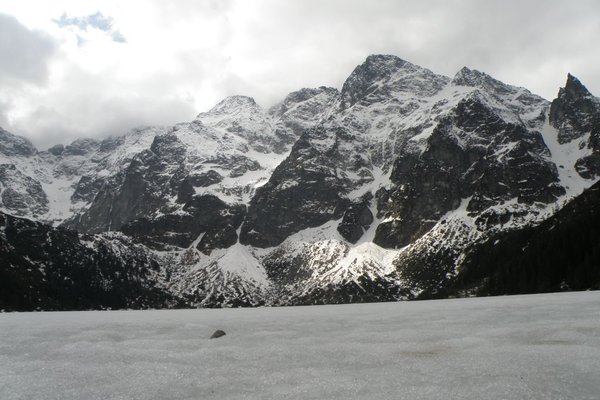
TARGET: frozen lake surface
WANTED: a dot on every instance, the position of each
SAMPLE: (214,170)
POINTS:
(519,347)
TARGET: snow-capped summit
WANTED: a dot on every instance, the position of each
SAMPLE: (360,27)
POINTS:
(231,108)
(474,78)
(382,76)
(233,104)
(239,115)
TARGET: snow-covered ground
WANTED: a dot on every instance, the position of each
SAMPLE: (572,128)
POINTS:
(519,347)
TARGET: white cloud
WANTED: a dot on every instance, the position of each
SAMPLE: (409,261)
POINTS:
(25,53)
(180,58)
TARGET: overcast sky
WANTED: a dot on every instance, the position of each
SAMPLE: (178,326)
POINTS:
(77,68)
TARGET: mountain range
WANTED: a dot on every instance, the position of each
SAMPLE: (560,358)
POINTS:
(404,184)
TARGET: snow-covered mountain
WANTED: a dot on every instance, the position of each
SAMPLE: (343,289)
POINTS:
(374,192)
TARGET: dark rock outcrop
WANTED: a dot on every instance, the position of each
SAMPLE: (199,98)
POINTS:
(356,220)
(81,147)
(186,190)
(304,191)
(12,145)
(201,214)
(44,268)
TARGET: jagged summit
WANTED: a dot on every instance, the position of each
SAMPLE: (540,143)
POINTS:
(474,78)
(240,115)
(575,113)
(383,61)
(574,89)
(470,77)
(515,103)
(233,104)
(383,75)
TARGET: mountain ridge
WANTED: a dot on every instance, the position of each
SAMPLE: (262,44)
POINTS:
(328,196)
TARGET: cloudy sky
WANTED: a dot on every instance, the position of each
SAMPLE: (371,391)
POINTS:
(79,68)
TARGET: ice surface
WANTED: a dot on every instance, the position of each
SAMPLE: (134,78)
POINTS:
(519,347)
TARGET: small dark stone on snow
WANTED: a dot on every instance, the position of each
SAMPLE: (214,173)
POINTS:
(218,333)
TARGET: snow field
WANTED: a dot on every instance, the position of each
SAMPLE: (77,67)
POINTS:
(518,347)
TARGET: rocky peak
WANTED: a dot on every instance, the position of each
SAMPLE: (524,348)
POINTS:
(81,147)
(233,105)
(384,76)
(573,89)
(515,103)
(169,148)
(239,115)
(470,77)
(13,145)
(473,78)
(575,112)
(382,65)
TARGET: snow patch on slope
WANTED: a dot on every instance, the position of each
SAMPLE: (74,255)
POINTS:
(240,260)
(565,156)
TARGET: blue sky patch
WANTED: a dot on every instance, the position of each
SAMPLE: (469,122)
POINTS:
(97,20)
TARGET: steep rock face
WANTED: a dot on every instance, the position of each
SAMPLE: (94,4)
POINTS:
(576,115)
(299,112)
(356,220)
(340,159)
(144,187)
(297,196)
(446,161)
(12,145)
(472,154)
(204,215)
(420,143)
(21,194)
